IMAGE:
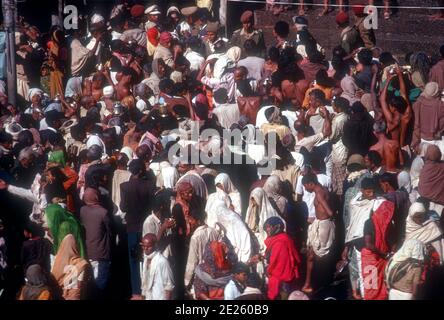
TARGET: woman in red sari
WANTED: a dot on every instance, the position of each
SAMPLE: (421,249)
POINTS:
(283,260)
(376,251)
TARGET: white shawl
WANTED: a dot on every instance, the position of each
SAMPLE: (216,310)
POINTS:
(235,230)
(259,213)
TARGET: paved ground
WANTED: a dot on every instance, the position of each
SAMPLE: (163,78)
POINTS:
(408,30)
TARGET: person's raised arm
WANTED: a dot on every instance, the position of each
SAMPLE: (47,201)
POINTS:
(326,129)
(107,75)
(408,114)
(402,86)
(19,192)
(373,89)
(187,97)
(383,100)
(200,75)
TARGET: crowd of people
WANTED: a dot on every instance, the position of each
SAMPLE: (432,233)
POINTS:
(325,180)
(390,7)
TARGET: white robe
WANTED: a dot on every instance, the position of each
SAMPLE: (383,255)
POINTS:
(236,231)
(157,277)
(261,212)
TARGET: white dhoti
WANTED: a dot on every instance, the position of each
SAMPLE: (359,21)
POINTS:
(23,88)
(399,295)
(321,234)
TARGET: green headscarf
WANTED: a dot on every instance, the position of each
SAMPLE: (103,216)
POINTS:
(61,223)
(57,157)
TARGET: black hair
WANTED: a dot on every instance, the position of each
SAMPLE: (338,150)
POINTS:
(254,281)
(282,29)
(318,94)
(181,61)
(399,103)
(314,55)
(35,229)
(122,160)
(201,110)
(220,46)
(273,54)
(167,24)
(250,47)
(389,178)
(5,137)
(94,153)
(387,58)
(323,79)
(375,157)
(244,88)
(93,115)
(127,71)
(201,14)
(53,116)
(25,138)
(181,110)
(99,77)
(300,127)
(197,214)
(161,200)
(220,96)
(309,178)
(118,46)
(365,56)
(166,85)
(55,190)
(369,183)
(341,103)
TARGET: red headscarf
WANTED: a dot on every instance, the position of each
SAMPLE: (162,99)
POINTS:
(382,218)
(219,253)
(284,262)
(372,264)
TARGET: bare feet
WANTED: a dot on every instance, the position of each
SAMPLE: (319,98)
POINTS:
(136,297)
(356,296)
(307,289)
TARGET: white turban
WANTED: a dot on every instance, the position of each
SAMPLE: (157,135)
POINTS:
(34,91)
(96,18)
(141,105)
(128,152)
(108,92)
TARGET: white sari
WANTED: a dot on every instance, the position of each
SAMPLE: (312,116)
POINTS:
(228,194)
(235,230)
(259,213)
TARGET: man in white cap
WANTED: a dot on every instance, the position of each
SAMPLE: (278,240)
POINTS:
(152,28)
(185,27)
(35,96)
(429,118)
